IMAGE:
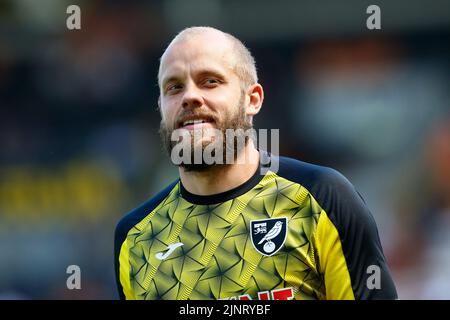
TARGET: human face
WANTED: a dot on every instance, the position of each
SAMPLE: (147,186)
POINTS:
(197,76)
(200,90)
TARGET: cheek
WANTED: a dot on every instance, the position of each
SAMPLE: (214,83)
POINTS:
(168,111)
(222,101)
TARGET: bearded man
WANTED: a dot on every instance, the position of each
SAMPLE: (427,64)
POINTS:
(227,229)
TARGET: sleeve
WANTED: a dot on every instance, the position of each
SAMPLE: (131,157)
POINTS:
(119,240)
(122,244)
(350,255)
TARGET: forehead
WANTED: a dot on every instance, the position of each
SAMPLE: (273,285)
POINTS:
(197,54)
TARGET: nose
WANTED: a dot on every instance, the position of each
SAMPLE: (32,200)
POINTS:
(192,97)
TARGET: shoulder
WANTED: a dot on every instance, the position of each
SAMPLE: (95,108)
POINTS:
(137,214)
(356,228)
(330,188)
(336,195)
(128,221)
(317,179)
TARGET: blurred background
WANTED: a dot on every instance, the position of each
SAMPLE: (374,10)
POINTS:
(78,124)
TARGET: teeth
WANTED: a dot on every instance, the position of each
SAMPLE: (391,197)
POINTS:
(193,122)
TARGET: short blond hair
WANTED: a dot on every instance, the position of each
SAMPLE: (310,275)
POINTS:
(245,66)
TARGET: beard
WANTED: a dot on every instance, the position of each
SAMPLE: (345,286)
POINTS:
(238,122)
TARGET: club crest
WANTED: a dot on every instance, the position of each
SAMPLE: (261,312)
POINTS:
(268,235)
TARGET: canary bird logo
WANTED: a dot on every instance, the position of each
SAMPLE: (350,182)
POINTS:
(273,232)
(268,243)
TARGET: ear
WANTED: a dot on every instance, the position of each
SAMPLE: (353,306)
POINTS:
(256,94)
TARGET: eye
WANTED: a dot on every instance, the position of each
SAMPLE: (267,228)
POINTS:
(173,88)
(211,82)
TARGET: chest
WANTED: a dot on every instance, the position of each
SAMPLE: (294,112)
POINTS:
(233,251)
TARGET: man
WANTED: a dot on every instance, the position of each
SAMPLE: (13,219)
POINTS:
(228,229)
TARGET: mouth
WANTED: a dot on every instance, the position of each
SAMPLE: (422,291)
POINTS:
(195,122)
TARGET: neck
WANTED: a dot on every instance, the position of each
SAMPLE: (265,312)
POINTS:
(219,179)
